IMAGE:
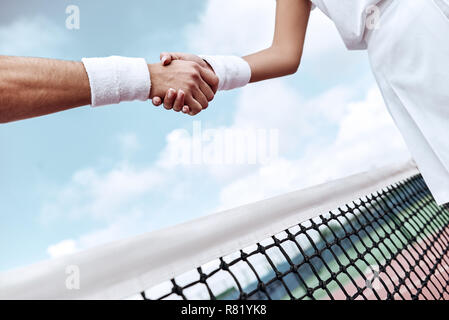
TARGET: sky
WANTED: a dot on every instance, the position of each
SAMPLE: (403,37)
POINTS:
(84,177)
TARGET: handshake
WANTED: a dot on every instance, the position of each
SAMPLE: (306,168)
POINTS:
(33,87)
(183,83)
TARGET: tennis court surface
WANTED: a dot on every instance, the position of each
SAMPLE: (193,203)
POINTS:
(375,235)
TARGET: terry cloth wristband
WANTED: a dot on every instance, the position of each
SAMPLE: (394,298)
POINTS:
(232,72)
(116,79)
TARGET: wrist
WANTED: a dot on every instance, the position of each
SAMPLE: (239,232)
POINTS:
(117,79)
(156,71)
(152,71)
(232,71)
(209,66)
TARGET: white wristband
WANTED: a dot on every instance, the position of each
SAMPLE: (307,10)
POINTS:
(116,79)
(232,71)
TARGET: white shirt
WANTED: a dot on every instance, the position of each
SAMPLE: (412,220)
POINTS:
(350,18)
(409,56)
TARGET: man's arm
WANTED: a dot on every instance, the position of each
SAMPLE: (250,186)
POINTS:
(32,87)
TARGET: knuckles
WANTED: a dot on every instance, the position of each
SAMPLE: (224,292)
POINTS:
(196,76)
(215,81)
(195,110)
(191,85)
(189,77)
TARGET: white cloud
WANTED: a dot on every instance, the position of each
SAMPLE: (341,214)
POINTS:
(327,137)
(269,103)
(366,138)
(177,150)
(124,226)
(35,36)
(233,26)
(275,104)
(322,37)
(242,27)
(267,106)
(102,196)
(129,142)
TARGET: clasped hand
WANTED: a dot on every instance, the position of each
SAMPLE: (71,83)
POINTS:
(185,81)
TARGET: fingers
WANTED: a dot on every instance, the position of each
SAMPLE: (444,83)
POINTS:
(157,101)
(169,99)
(193,105)
(206,90)
(176,102)
(201,83)
(166,58)
(179,102)
(172,100)
(201,98)
(210,77)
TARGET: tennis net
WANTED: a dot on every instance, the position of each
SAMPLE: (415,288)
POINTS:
(374,235)
(392,244)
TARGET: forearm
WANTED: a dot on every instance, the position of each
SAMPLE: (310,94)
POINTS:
(31,87)
(272,63)
(235,72)
(280,59)
(284,55)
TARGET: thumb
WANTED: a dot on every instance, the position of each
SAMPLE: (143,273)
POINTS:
(166,58)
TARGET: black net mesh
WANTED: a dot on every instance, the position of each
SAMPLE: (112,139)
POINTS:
(389,245)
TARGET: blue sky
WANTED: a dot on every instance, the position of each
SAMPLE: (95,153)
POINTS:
(87,176)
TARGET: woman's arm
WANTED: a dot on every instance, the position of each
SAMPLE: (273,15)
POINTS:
(280,59)
(284,55)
